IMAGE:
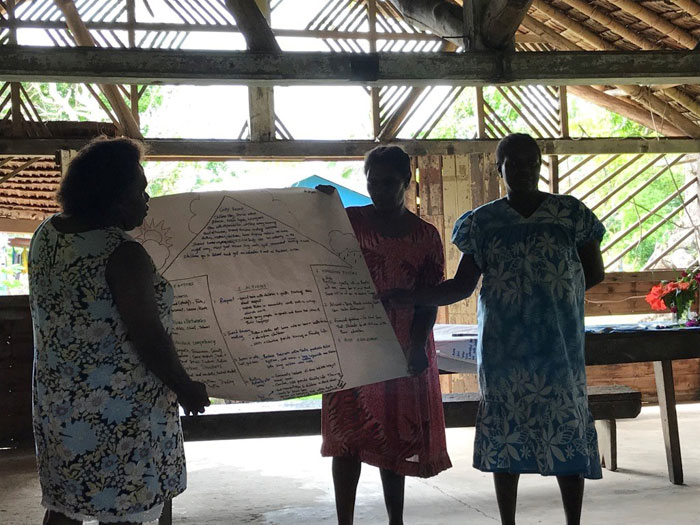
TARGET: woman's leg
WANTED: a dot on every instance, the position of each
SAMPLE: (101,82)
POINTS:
(571,488)
(346,473)
(506,495)
(393,485)
(56,518)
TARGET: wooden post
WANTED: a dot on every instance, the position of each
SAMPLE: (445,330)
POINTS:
(553,174)
(374,91)
(261,100)
(134,95)
(480,113)
(470,26)
(564,111)
(64,157)
(15,93)
(261,108)
(663,372)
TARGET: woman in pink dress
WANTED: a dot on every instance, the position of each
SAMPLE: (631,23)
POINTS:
(396,425)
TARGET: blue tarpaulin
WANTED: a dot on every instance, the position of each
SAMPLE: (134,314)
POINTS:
(347,197)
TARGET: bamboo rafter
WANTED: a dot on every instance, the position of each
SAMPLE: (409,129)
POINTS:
(671,30)
(623,31)
(691,6)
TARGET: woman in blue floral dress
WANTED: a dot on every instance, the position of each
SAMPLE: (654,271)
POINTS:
(107,380)
(537,253)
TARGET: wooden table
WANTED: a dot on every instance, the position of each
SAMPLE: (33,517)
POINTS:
(661,347)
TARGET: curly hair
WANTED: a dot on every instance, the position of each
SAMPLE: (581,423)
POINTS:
(516,141)
(392,156)
(98,176)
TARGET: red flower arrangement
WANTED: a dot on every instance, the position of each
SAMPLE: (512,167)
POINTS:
(676,296)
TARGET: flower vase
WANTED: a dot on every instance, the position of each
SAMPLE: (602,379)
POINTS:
(687,317)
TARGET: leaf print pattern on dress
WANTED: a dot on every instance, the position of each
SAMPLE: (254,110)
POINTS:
(534,414)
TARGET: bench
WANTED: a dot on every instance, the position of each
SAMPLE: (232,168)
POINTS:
(303,418)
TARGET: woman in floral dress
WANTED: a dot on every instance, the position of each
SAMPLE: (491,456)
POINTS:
(107,380)
(395,425)
(537,253)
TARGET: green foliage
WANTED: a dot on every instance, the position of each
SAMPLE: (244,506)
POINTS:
(460,120)
(348,172)
(74,102)
(9,280)
(166,178)
(588,120)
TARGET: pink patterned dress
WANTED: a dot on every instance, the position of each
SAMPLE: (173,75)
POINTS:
(397,425)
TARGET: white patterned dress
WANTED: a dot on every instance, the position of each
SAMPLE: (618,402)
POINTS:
(534,414)
(108,438)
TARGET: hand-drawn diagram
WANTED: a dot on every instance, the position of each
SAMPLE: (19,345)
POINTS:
(273,299)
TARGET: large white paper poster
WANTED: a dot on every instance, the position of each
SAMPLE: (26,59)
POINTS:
(273,299)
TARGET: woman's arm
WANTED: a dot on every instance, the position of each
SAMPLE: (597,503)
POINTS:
(130,279)
(592,262)
(460,287)
(450,291)
(423,321)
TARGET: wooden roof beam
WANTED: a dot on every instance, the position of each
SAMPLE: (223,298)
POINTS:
(497,24)
(500,20)
(254,26)
(437,16)
(219,149)
(160,66)
(82,37)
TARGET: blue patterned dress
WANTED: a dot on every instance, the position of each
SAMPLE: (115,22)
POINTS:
(534,413)
(107,431)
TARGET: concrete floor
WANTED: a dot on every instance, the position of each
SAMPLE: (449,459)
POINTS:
(285,481)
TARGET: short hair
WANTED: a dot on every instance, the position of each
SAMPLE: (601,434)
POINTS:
(98,176)
(516,141)
(393,156)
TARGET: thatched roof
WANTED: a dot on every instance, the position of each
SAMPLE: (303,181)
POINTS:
(30,194)
(623,25)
